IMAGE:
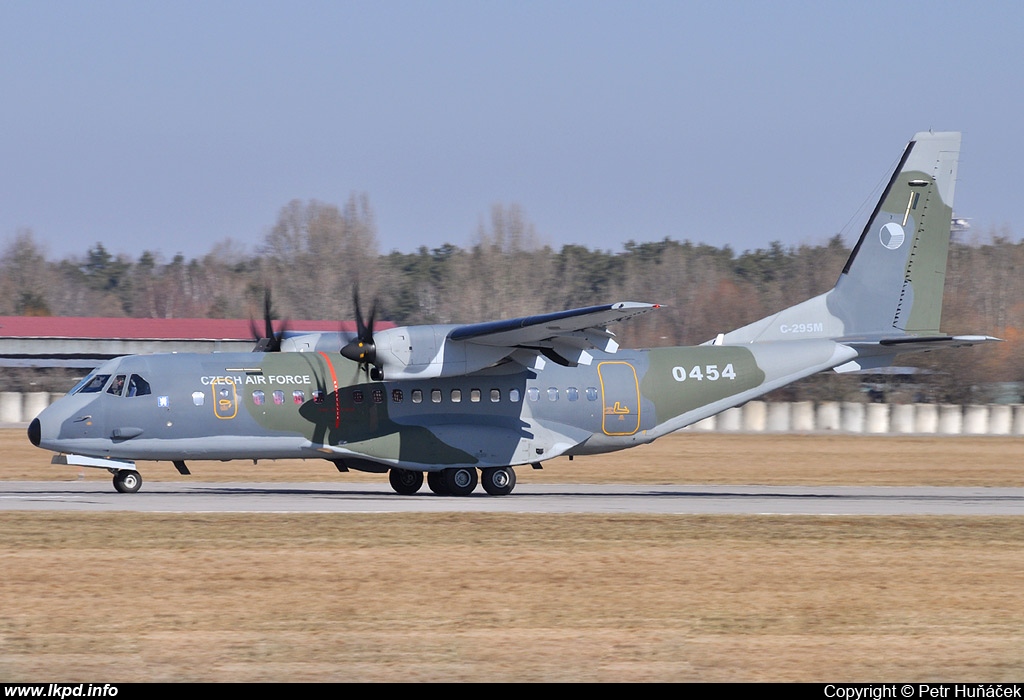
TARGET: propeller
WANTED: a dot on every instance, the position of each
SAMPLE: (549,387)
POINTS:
(270,341)
(362,349)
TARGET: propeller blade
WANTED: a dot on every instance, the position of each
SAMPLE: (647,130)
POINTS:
(269,341)
(362,349)
(360,326)
(268,325)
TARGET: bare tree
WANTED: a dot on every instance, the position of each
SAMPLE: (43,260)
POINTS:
(505,274)
(317,252)
(25,282)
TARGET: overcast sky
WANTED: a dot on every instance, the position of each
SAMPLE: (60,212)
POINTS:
(169,126)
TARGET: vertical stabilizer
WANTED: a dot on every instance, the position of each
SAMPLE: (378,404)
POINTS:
(894,278)
(892,284)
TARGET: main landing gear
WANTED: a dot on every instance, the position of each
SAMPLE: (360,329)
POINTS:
(127,480)
(405,481)
(457,481)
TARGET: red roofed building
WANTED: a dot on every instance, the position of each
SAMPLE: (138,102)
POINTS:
(71,341)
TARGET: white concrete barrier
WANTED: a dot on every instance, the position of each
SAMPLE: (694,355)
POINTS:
(10,406)
(901,418)
(755,416)
(35,402)
(706,425)
(730,420)
(801,416)
(926,418)
(951,419)
(827,417)
(1018,419)
(852,417)
(876,418)
(975,420)
(1000,419)
(777,417)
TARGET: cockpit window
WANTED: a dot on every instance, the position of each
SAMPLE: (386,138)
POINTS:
(116,386)
(137,386)
(91,384)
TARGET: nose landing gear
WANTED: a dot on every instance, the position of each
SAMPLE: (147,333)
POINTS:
(127,481)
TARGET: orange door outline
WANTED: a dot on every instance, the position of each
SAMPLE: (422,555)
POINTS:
(620,397)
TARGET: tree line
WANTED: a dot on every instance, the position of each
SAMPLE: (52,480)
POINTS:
(317,252)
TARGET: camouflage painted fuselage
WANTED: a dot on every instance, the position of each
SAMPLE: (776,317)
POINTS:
(318,405)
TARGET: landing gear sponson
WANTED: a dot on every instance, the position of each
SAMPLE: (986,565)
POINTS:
(126,478)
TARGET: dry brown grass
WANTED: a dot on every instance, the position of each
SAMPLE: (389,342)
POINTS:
(314,597)
(682,458)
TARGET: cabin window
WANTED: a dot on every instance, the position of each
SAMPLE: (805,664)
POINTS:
(378,396)
(572,393)
(396,395)
(456,395)
(137,386)
(474,395)
(513,395)
(258,397)
(435,395)
(357,396)
(552,393)
(298,397)
(116,386)
(318,396)
(417,396)
(199,398)
(591,393)
(278,397)
(495,395)
(533,393)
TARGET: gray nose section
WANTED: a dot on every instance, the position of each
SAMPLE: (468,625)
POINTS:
(35,430)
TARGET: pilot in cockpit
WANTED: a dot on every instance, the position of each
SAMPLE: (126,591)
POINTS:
(117,385)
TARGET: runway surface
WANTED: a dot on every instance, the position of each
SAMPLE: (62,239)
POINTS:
(239,497)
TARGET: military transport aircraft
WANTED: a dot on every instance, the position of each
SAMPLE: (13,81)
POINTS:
(466,402)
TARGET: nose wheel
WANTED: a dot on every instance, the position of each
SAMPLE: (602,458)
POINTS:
(127,481)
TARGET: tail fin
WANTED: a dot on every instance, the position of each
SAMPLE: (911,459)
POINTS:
(891,287)
(894,278)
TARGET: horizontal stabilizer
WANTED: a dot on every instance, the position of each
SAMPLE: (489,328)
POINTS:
(872,354)
(928,342)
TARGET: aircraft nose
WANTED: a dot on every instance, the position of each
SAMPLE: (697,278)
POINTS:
(35,431)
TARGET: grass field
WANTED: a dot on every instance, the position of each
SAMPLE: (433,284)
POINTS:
(486,597)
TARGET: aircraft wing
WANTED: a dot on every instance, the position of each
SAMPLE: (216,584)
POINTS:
(531,331)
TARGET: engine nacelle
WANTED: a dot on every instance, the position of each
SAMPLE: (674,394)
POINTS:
(423,352)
